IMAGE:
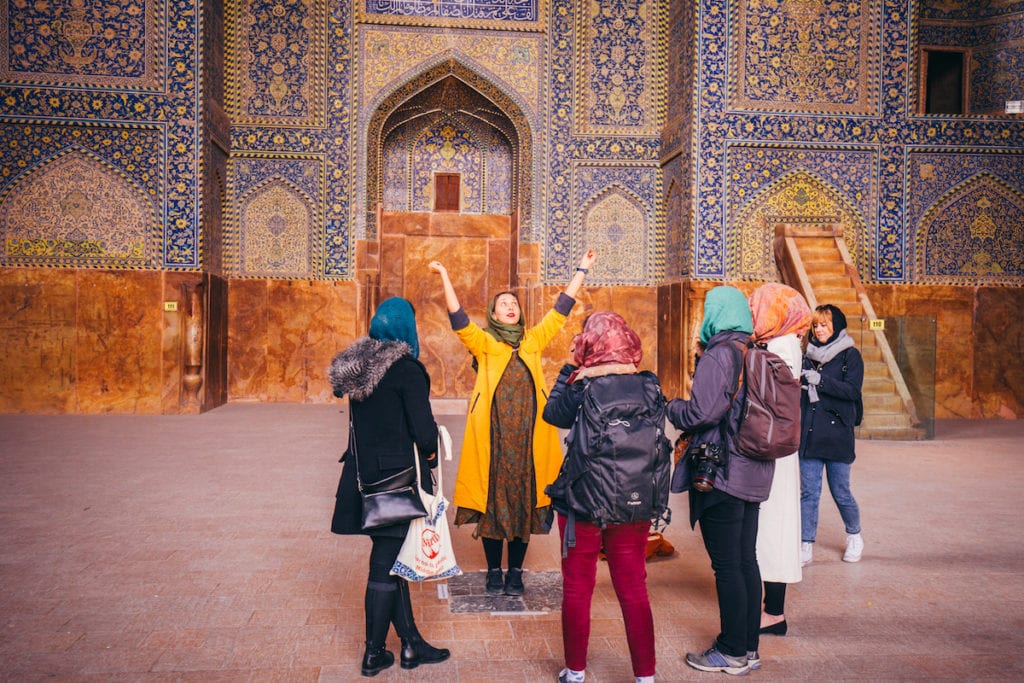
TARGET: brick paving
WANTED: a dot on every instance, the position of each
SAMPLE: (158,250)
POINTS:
(180,548)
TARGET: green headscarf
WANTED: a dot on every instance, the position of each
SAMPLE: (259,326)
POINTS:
(503,332)
(725,308)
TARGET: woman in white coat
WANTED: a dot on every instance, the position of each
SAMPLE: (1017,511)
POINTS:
(781,319)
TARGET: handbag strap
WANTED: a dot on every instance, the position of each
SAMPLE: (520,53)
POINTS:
(352,448)
(444,442)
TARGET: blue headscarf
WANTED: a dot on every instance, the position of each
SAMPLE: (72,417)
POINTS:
(395,320)
(725,308)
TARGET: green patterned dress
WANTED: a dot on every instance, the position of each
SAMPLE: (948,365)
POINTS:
(512,510)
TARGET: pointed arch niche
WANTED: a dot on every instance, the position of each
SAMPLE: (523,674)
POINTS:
(972,235)
(447,126)
(799,197)
(449,119)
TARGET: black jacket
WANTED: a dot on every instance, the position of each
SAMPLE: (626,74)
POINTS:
(827,426)
(389,396)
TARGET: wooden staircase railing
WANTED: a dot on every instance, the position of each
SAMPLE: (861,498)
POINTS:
(814,260)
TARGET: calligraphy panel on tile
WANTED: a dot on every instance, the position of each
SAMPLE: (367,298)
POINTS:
(277,51)
(505,14)
(618,68)
(805,56)
(109,44)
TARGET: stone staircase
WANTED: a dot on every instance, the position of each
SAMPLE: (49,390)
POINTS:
(814,260)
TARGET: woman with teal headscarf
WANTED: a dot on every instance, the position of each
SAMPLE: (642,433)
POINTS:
(728,510)
(389,400)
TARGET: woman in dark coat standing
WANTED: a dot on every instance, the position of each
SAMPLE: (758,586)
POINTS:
(389,396)
(832,377)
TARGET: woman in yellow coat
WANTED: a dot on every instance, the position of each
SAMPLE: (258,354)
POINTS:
(509,454)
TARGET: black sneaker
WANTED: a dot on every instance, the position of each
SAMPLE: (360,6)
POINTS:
(495,582)
(514,582)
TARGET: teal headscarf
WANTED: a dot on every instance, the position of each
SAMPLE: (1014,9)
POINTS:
(725,308)
(395,320)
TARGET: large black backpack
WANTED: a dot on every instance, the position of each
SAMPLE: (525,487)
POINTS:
(618,462)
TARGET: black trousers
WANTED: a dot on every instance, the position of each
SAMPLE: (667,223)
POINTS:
(729,529)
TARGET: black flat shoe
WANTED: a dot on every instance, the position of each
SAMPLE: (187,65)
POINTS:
(376,660)
(416,652)
(778,629)
(495,582)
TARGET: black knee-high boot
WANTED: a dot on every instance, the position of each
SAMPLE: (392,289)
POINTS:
(379,604)
(415,650)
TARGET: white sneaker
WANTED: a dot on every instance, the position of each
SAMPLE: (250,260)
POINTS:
(806,551)
(854,548)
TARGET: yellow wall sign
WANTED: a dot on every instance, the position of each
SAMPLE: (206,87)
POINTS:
(876,324)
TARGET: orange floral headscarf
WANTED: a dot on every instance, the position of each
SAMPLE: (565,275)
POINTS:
(778,310)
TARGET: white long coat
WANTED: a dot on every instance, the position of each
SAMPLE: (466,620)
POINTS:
(778,531)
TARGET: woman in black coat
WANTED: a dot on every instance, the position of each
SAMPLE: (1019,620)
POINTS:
(832,376)
(389,396)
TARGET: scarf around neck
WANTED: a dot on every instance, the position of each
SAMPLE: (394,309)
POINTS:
(826,352)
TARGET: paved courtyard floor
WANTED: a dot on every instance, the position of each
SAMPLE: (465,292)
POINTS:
(196,548)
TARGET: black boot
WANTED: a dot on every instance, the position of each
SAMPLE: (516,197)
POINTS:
(379,604)
(415,650)
(376,660)
(514,582)
(495,582)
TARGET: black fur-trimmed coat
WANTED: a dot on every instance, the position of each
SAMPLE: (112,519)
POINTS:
(389,396)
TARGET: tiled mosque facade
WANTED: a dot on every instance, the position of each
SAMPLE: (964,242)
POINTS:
(241,159)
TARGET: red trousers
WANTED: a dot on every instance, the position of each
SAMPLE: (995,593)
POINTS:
(625,546)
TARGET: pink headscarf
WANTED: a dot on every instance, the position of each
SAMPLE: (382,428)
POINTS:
(606,339)
(778,310)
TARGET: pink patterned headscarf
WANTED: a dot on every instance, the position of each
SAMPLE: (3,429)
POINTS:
(778,310)
(606,339)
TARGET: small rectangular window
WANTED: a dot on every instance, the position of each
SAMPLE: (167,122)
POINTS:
(944,82)
(446,191)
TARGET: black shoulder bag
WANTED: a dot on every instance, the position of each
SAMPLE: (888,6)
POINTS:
(391,500)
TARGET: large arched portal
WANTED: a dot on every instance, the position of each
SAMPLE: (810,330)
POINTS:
(448,165)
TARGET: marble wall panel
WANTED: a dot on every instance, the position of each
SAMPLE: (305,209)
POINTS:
(118,340)
(247,340)
(37,335)
(999,352)
(953,311)
(637,305)
(307,323)
(446,359)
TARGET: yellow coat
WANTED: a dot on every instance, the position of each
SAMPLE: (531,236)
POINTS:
(471,484)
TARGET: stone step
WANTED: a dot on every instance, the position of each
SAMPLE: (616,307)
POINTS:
(888,420)
(889,433)
(817,268)
(882,403)
(878,385)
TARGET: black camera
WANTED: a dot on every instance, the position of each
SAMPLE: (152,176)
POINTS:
(706,461)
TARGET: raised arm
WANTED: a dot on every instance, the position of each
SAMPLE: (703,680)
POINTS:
(581,272)
(450,300)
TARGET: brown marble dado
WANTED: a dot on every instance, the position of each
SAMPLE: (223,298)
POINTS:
(93,341)
(98,341)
